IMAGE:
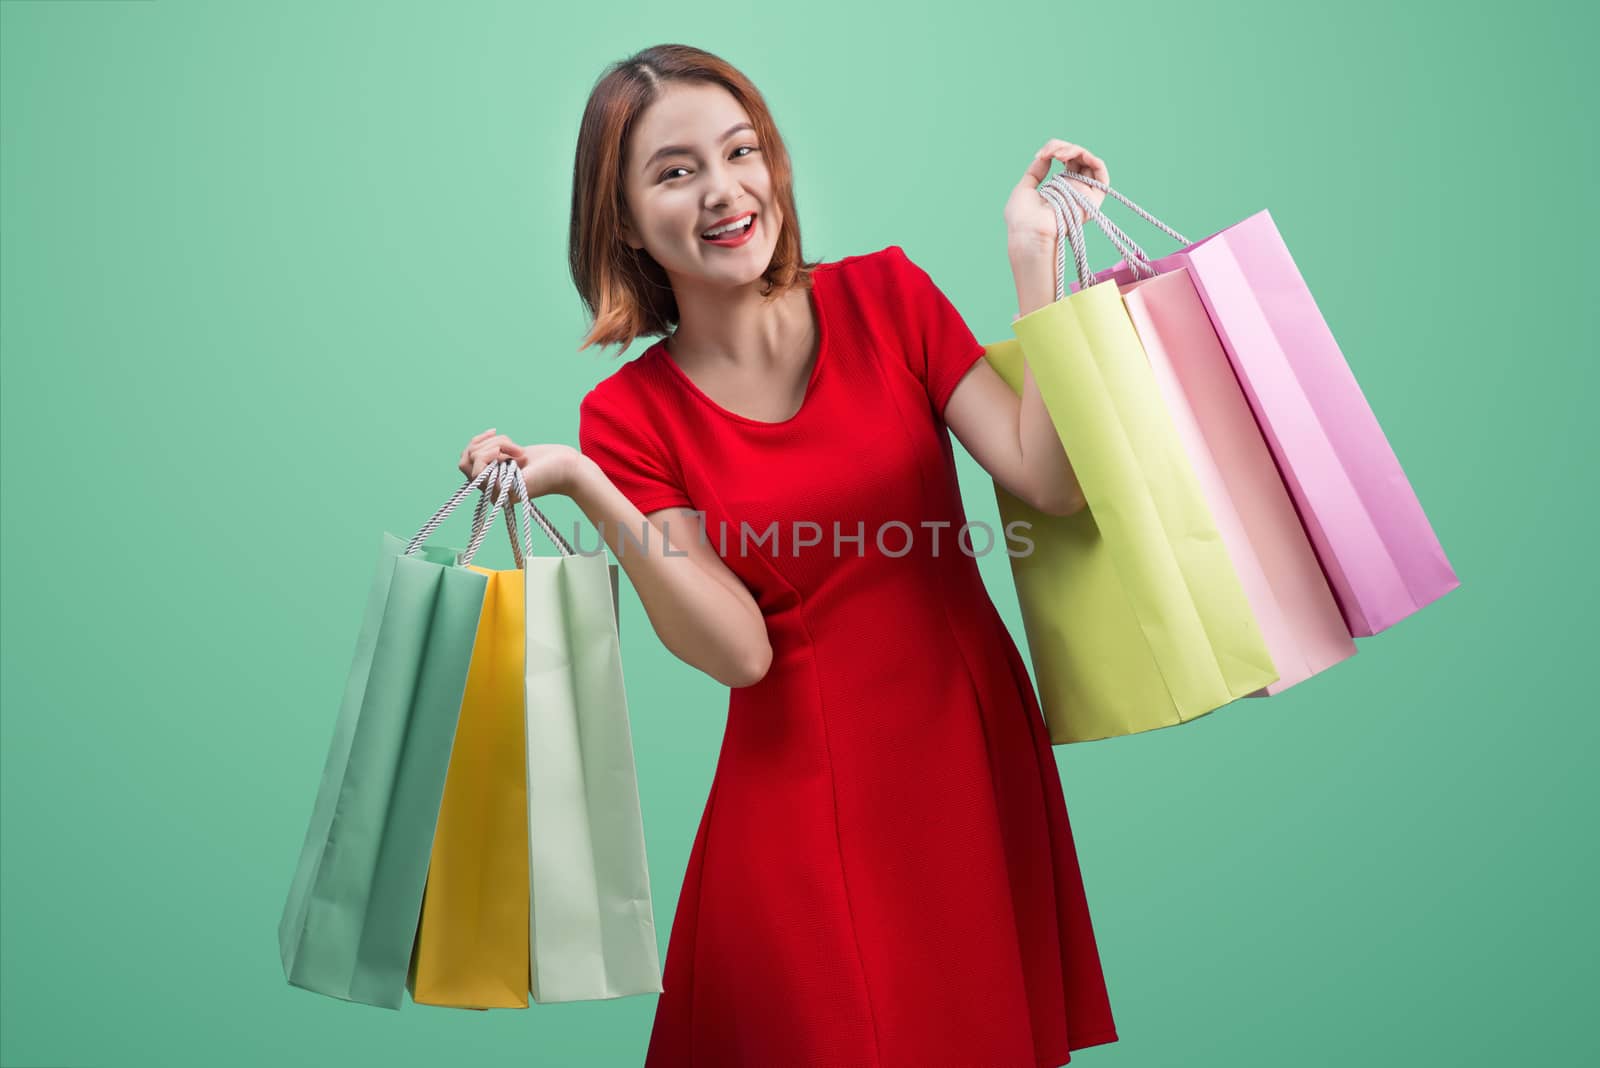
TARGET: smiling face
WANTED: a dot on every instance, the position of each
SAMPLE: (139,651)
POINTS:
(693,162)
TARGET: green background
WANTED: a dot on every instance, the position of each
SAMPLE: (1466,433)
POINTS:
(267,267)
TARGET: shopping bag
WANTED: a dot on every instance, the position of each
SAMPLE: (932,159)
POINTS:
(1372,538)
(591,923)
(1288,593)
(350,919)
(472,938)
(1134,613)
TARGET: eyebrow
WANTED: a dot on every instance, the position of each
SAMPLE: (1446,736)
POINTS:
(671,150)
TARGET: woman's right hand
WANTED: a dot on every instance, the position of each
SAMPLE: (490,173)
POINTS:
(545,468)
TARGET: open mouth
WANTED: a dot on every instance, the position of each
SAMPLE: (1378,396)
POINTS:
(732,234)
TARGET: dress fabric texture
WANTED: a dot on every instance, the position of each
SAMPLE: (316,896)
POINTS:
(884,874)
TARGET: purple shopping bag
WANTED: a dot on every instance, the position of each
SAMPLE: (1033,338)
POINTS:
(1369,531)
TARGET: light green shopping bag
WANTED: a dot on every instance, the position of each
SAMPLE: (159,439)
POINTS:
(1135,616)
(350,920)
(591,923)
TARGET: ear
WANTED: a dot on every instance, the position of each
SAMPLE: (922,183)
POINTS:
(629,236)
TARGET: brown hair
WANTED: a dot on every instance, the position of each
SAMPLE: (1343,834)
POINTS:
(625,289)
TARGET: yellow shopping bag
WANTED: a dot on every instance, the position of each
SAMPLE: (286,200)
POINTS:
(472,938)
(1135,615)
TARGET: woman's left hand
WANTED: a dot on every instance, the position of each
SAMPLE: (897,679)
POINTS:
(1030,220)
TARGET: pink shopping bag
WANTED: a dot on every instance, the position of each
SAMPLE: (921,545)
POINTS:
(1296,611)
(1372,538)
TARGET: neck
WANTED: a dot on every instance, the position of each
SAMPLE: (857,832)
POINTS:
(735,325)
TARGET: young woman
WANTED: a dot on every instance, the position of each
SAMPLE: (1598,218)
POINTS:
(884,873)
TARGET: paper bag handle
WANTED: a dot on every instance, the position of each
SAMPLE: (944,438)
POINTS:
(481,482)
(1135,257)
(511,480)
(1061,196)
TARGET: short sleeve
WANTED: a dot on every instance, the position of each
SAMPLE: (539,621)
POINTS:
(942,346)
(621,449)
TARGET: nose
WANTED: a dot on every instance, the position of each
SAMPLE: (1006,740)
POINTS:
(722,187)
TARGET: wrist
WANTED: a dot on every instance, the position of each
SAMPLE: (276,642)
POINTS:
(1030,247)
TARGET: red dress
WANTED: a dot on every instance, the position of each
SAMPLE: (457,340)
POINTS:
(884,874)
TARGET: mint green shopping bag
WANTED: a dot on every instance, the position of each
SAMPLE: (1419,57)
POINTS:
(350,920)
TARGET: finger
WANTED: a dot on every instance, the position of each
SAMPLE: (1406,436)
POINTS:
(1055,148)
(1036,171)
(491,484)
(1094,167)
(1097,167)
(467,453)
(1080,160)
(1072,158)
(1075,159)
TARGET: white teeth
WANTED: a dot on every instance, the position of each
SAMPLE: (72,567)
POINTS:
(742,224)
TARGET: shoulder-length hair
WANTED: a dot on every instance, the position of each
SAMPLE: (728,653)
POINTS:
(626,291)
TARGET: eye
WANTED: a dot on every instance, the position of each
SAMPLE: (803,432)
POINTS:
(667,174)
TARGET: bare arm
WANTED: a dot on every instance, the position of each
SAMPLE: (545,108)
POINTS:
(699,608)
(1013,438)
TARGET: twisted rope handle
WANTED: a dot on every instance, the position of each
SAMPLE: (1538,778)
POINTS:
(480,515)
(512,488)
(507,478)
(1059,192)
(1130,248)
(1137,210)
(479,530)
(481,520)
(1069,232)
(1136,258)
(444,511)
(545,525)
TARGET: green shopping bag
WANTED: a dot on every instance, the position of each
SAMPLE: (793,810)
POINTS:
(350,920)
(1135,616)
(591,922)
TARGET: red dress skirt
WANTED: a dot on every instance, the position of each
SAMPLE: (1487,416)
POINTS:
(884,874)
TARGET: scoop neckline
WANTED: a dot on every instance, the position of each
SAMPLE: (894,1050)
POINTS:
(811,381)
